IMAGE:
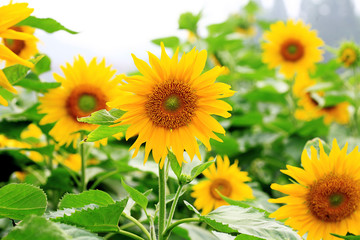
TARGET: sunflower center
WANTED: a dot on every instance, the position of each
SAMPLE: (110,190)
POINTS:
(334,197)
(16,46)
(85,99)
(171,105)
(292,50)
(348,57)
(221,185)
(87,102)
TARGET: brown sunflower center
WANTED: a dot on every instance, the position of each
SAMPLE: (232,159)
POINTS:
(221,185)
(334,197)
(348,56)
(171,105)
(84,100)
(292,50)
(16,46)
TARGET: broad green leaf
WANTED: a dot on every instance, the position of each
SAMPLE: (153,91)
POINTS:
(137,196)
(20,200)
(35,227)
(96,219)
(17,72)
(196,171)
(104,131)
(334,98)
(248,119)
(175,166)
(234,219)
(192,232)
(347,237)
(37,85)
(170,42)
(103,117)
(189,21)
(43,65)
(247,237)
(47,24)
(80,200)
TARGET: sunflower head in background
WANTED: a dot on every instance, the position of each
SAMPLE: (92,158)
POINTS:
(12,14)
(292,46)
(325,195)
(225,178)
(349,54)
(85,88)
(171,103)
(23,48)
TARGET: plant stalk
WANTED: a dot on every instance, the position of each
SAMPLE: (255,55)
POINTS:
(162,203)
(137,223)
(175,224)
(173,206)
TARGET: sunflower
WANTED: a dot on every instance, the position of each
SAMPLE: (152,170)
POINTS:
(23,48)
(326,197)
(225,178)
(302,82)
(73,161)
(311,110)
(349,54)
(11,14)
(84,90)
(171,104)
(293,47)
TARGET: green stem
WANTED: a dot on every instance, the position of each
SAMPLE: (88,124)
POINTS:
(177,223)
(50,158)
(102,178)
(291,101)
(162,203)
(173,206)
(83,166)
(129,234)
(137,223)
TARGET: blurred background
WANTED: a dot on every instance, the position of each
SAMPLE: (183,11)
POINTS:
(114,29)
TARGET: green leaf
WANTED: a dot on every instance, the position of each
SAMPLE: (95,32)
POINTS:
(137,196)
(59,180)
(347,237)
(234,219)
(248,119)
(103,117)
(104,131)
(37,85)
(43,65)
(189,21)
(192,232)
(96,219)
(47,24)
(97,197)
(251,8)
(170,42)
(20,200)
(196,171)
(35,227)
(175,166)
(247,237)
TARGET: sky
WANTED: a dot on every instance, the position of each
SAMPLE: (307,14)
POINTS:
(113,29)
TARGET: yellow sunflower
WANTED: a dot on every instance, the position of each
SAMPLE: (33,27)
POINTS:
(23,48)
(349,54)
(85,89)
(302,82)
(311,110)
(11,14)
(73,161)
(227,179)
(293,47)
(326,197)
(172,103)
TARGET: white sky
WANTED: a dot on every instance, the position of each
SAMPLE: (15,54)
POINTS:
(116,28)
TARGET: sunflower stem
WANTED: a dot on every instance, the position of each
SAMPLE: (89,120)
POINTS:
(83,164)
(175,224)
(173,206)
(162,203)
(137,223)
(129,234)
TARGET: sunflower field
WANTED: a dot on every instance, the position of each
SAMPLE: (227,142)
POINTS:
(247,132)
